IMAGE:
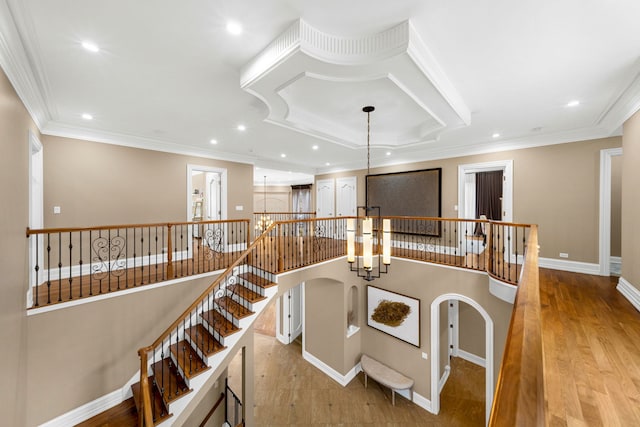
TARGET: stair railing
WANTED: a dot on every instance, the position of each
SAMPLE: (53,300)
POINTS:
(233,411)
(73,263)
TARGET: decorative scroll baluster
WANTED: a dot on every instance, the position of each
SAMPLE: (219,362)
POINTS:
(169,253)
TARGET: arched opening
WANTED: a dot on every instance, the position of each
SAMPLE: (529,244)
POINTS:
(435,350)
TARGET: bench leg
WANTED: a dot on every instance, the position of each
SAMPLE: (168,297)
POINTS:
(393,397)
(365,380)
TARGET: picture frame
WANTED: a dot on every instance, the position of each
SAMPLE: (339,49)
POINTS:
(394,314)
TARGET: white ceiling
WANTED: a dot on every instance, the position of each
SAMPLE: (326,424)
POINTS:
(168,76)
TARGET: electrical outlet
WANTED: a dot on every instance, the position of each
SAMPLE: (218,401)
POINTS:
(564,255)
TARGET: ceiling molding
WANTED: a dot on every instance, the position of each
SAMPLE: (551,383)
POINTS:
(624,105)
(18,68)
(132,141)
(304,64)
(438,152)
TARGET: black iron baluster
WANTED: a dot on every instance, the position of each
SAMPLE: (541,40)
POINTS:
(37,267)
(70,269)
(164,261)
(48,268)
(134,257)
(80,263)
(156,251)
(90,264)
(141,256)
(59,267)
(149,253)
(109,266)
(126,257)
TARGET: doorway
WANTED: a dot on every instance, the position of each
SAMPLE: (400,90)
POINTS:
(289,315)
(467,190)
(436,350)
(211,186)
(610,183)
(36,209)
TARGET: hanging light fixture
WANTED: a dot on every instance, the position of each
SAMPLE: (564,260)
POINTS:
(265,221)
(368,231)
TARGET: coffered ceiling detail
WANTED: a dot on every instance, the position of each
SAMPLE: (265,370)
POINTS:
(317,83)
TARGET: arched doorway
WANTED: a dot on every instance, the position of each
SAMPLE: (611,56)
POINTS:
(435,350)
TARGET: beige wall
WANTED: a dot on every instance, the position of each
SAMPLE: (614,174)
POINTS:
(470,335)
(616,205)
(278,198)
(556,187)
(84,352)
(99,184)
(324,323)
(631,200)
(325,315)
(15,124)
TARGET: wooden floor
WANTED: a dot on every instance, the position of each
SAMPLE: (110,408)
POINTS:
(203,261)
(591,343)
(291,392)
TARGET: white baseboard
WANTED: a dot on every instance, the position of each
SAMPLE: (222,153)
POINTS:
(615,265)
(444,378)
(470,357)
(343,380)
(572,266)
(630,292)
(88,410)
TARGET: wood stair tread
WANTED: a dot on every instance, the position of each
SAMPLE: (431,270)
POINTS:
(188,359)
(263,282)
(234,308)
(169,381)
(159,409)
(245,293)
(201,337)
(223,326)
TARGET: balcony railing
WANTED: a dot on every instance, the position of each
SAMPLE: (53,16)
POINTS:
(73,263)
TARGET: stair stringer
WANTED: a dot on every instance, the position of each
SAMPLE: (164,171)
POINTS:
(218,361)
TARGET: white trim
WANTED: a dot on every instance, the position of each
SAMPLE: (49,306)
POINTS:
(630,292)
(604,246)
(504,291)
(115,294)
(506,166)
(223,188)
(615,265)
(573,266)
(343,380)
(435,350)
(88,410)
(444,378)
(470,357)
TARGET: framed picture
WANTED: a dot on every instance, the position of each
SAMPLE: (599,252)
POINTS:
(394,314)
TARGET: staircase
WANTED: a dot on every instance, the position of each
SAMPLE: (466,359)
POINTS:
(181,367)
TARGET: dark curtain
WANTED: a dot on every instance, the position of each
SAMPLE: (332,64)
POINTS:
(489,195)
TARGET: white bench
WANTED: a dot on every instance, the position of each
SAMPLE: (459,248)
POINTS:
(385,376)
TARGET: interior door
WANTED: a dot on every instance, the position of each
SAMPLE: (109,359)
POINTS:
(325,196)
(289,315)
(346,196)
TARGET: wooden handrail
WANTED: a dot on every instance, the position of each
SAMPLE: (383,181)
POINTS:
(115,227)
(285,213)
(215,406)
(211,287)
(519,396)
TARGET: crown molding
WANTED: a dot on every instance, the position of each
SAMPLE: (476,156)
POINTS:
(18,67)
(624,105)
(443,151)
(132,141)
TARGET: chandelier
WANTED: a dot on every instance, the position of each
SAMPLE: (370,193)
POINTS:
(368,231)
(265,221)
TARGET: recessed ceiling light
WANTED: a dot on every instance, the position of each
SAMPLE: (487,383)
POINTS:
(315,147)
(234,28)
(327,164)
(388,153)
(242,128)
(214,141)
(87,116)
(90,46)
(573,103)
(283,155)
(496,135)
